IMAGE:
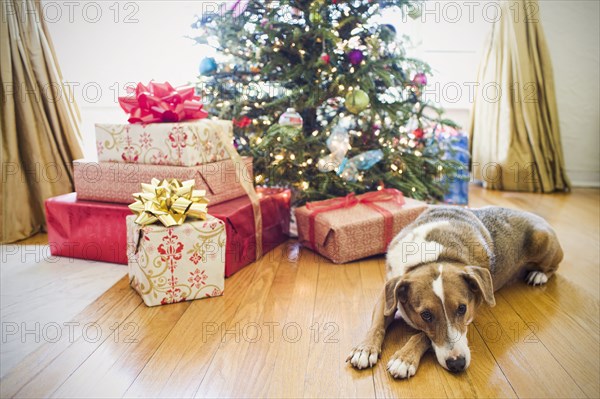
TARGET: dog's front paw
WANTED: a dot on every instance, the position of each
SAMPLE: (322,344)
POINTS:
(364,356)
(536,278)
(400,367)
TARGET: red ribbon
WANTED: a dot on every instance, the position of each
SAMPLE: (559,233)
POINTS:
(369,199)
(161,102)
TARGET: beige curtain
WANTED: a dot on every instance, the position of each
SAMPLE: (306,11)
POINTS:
(514,133)
(39,122)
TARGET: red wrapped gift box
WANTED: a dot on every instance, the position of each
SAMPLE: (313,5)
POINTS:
(87,229)
(239,222)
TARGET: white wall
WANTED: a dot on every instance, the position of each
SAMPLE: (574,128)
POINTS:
(141,41)
(449,35)
(573,35)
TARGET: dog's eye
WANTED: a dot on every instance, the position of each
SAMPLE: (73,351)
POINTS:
(462,309)
(427,316)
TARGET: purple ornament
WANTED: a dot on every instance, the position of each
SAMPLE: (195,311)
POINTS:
(355,56)
(420,79)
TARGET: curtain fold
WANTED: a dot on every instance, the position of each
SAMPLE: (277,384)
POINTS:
(39,121)
(514,131)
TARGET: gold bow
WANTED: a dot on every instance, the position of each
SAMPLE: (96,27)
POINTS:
(169,201)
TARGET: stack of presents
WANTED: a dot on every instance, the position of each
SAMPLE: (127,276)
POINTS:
(170,197)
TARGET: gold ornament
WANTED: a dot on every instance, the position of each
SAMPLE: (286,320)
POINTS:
(170,202)
(357,101)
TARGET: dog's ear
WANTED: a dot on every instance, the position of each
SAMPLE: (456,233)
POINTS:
(480,280)
(396,289)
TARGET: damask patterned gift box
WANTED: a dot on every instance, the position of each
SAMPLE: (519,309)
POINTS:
(175,264)
(187,143)
(355,227)
(116,182)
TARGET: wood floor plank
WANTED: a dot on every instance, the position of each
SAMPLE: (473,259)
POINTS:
(226,367)
(178,366)
(287,379)
(537,342)
(483,378)
(339,300)
(268,333)
(573,342)
(44,370)
(113,367)
(527,363)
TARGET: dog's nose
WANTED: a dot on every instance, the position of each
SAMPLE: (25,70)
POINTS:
(456,365)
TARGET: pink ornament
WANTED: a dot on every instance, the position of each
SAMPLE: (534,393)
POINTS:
(355,57)
(420,79)
(326,58)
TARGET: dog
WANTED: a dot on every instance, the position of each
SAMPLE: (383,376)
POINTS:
(441,268)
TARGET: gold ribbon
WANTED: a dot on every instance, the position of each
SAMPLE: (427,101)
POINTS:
(248,187)
(170,202)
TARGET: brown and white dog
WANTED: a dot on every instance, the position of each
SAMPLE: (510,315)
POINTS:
(441,268)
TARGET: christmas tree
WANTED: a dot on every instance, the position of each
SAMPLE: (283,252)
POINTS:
(364,122)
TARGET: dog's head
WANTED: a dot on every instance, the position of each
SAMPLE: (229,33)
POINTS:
(440,299)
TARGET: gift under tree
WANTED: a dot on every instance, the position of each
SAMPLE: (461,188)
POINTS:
(360,122)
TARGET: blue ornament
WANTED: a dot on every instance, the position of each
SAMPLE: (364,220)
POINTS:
(364,161)
(208,66)
(367,159)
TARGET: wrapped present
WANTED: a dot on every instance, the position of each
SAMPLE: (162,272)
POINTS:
(172,257)
(456,146)
(354,227)
(166,128)
(188,143)
(241,232)
(175,264)
(116,182)
(87,229)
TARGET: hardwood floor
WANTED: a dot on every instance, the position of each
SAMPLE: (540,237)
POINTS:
(286,324)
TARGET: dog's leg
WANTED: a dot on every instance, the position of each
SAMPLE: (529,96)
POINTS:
(404,363)
(367,352)
(549,256)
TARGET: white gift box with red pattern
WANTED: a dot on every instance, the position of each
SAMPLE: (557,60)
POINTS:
(189,143)
(175,264)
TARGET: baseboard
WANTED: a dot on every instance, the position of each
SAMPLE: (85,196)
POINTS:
(584,178)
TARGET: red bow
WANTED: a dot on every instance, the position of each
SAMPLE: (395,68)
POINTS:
(160,102)
(369,199)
